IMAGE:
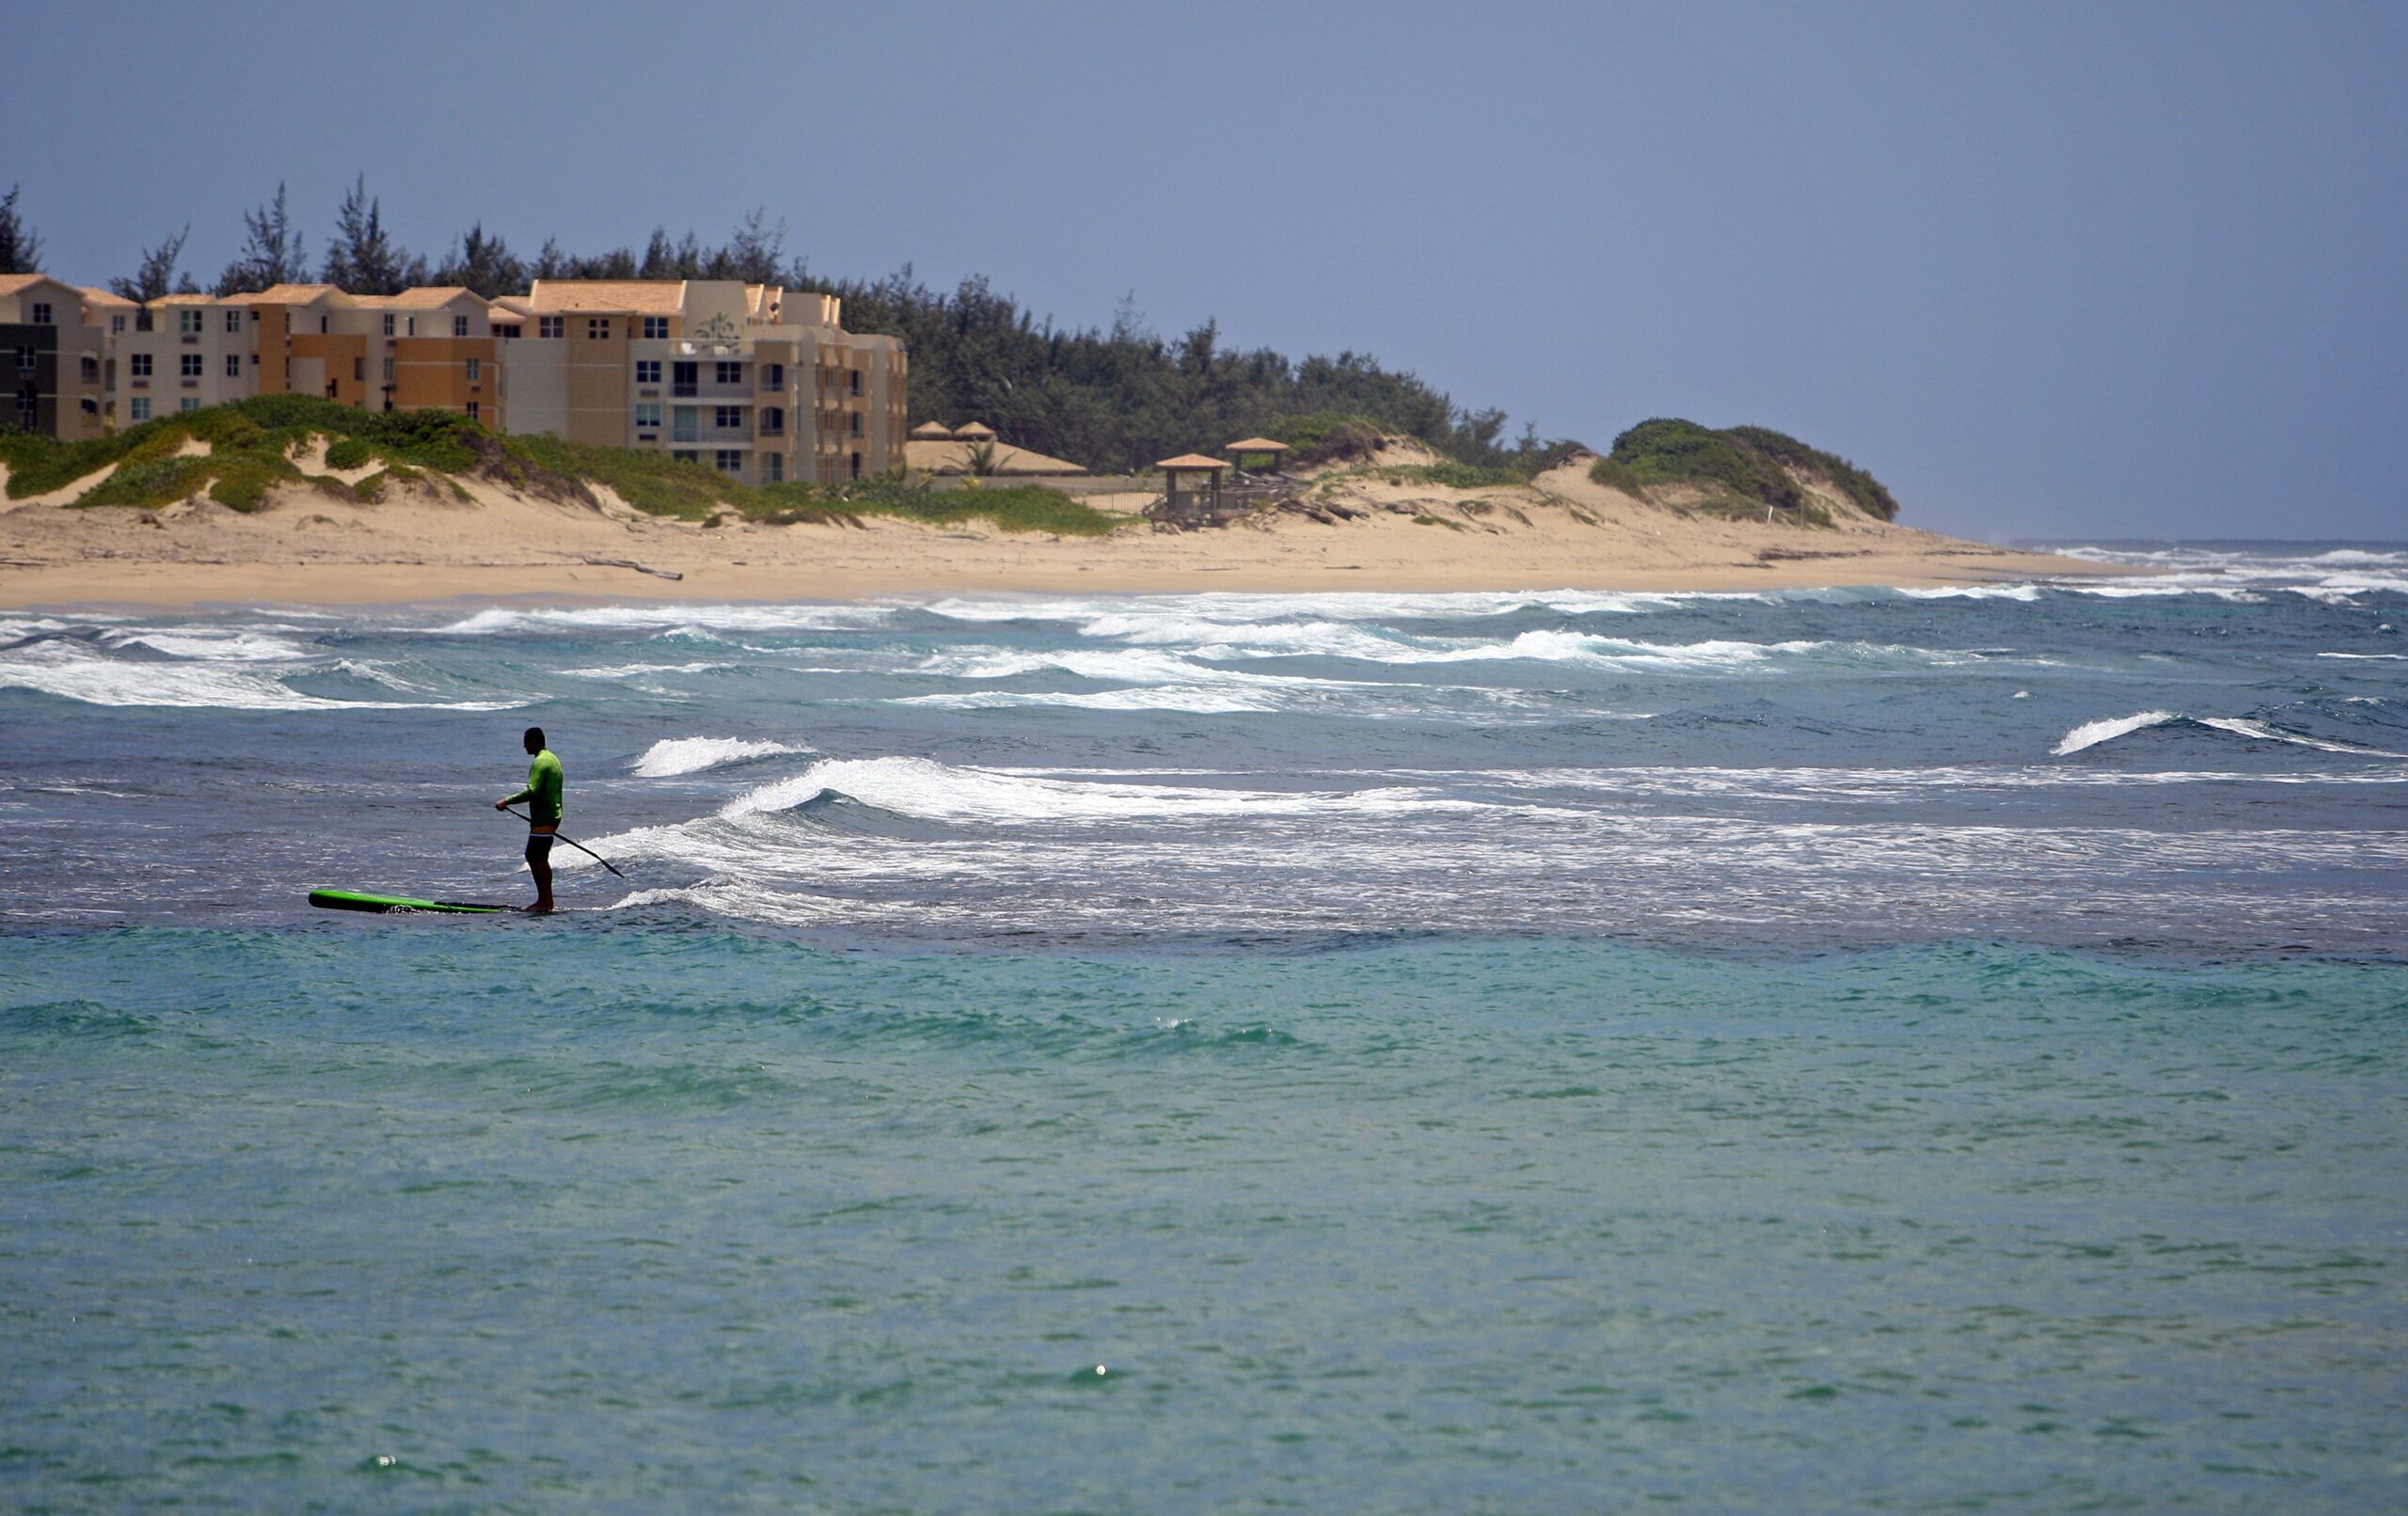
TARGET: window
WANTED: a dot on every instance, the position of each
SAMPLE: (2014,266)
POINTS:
(142,321)
(459,325)
(597,328)
(388,324)
(189,402)
(409,325)
(857,466)
(685,426)
(773,376)
(551,325)
(773,421)
(505,330)
(138,365)
(41,312)
(92,370)
(648,414)
(773,467)
(188,366)
(724,417)
(685,455)
(188,321)
(140,409)
(730,461)
(233,320)
(359,371)
(233,365)
(116,324)
(473,411)
(731,373)
(683,377)
(472,369)
(25,360)
(655,328)
(857,423)
(857,380)
(389,370)
(647,371)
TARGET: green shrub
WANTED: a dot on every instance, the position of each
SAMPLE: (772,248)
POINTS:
(151,482)
(1741,470)
(349,453)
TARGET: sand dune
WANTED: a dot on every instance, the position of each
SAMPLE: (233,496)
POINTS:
(1351,530)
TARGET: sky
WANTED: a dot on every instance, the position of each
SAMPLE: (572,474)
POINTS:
(2048,270)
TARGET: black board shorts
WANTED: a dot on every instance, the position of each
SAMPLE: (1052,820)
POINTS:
(539,847)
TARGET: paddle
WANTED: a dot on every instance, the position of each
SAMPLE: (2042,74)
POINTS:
(570,841)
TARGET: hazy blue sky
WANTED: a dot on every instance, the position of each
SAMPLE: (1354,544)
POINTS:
(2107,269)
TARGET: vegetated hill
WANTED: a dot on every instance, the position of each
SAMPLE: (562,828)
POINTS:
(236,453)
(1737,470)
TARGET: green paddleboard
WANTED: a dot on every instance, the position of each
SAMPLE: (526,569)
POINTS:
(354,900)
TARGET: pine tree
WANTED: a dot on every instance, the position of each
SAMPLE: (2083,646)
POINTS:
(157,274)
(273,254)
(361,259)
(19,249)
(487,265)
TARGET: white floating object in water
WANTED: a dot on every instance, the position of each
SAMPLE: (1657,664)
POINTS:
(2023,694)
(1098,1371)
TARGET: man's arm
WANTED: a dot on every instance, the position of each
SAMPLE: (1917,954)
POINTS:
(526,793)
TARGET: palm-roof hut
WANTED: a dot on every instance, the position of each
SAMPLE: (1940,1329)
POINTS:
(975,432)
(1191,483)
(932,432)
(1256,455)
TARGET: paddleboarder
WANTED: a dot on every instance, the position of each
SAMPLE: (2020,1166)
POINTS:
(545,781)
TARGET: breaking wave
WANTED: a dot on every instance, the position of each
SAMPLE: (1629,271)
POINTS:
(2094,734)
(672,756)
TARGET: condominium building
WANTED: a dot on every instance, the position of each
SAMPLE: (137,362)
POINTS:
(428,349)
(182,352)
(759,382)
(763,385)
(53,358)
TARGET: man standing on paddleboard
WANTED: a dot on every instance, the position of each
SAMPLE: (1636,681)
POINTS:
(544,782)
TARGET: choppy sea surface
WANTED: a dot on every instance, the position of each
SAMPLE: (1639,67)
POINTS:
(1839,1050)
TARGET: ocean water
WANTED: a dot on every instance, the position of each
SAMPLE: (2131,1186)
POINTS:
(1839,1050)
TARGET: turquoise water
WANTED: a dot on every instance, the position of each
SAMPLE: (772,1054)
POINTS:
(1792,1053)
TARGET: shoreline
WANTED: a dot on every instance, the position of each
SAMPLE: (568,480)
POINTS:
(195,586)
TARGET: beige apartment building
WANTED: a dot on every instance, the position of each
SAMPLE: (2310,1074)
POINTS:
(760,384)
(54,358)
(749,379)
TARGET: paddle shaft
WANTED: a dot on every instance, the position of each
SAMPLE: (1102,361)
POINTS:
(572,842)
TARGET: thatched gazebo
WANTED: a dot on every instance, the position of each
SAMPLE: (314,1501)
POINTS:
(973,431)
(1191,483)
(932,432)
(1245,454)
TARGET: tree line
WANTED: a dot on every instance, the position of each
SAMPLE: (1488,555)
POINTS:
(1109,399)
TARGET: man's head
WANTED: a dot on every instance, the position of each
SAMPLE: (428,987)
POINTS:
(535,739)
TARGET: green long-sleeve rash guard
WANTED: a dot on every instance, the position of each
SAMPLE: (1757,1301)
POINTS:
(545,781)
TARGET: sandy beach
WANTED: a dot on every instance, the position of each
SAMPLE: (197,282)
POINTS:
(489,542)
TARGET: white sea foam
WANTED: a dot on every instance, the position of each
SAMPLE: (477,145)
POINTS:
(2368,657)
(75,671)
(679,618)
(2242,727)
(2091,733)
(932,791)
(233,643)
(672,756)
